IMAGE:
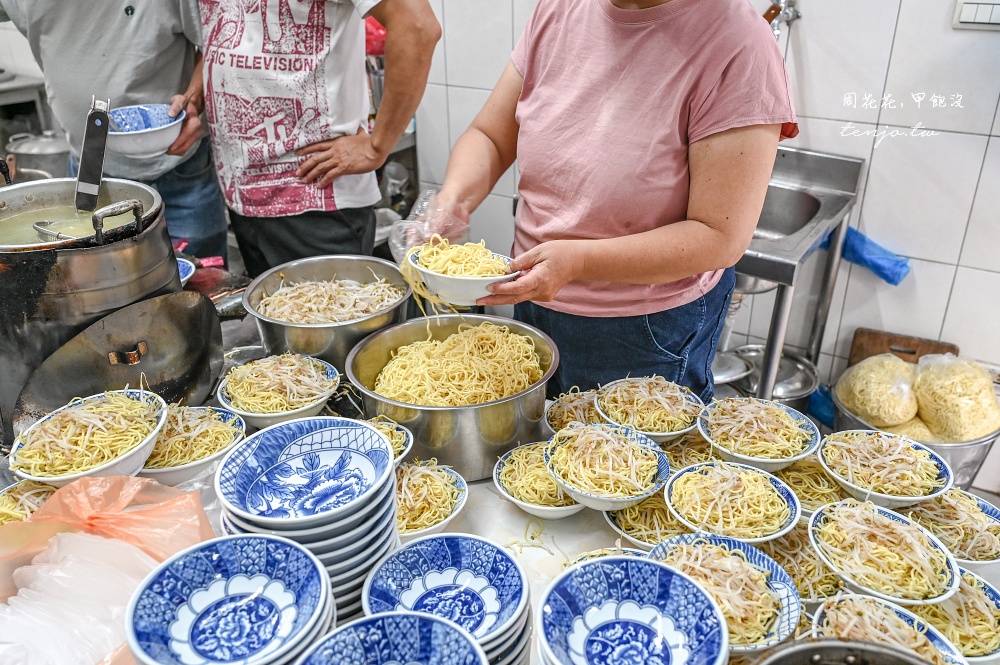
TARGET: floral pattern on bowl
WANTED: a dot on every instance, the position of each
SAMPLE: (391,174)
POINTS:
(620,633)
(467,599)
(142,117)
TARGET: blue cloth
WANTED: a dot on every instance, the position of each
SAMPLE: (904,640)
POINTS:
(677,344)
(821,406)
(193,205)
(863,251)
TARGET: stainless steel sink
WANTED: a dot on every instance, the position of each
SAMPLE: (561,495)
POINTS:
(786,212)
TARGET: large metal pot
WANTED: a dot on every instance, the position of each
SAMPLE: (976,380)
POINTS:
(831,651)
(48,152)
(965,459)
(327,341)
(469,438)
(52,291)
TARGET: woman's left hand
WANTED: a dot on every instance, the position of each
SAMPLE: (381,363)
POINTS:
(546,269)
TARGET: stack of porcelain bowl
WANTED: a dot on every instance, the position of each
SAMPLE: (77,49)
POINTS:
(467,579)
(247,600)
(326,483)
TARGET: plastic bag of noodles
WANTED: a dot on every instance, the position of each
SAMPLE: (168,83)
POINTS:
(879,390)
(915,429)
(956,397)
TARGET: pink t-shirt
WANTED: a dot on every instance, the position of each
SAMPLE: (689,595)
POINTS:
(612,99)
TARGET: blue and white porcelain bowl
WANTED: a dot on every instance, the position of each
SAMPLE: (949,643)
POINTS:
(778,582)
(127,464)
(989,569)
(305,472)
(237,599)
(948,651)
(543,512)
(599,502)
(464,578)
(361,564)
(762,463)
(143,130)
(185,269)
(175,475)
(619,551)
(463,494)
(657,437)
(394,638)
(628,610)
(784,492)
(455,289)
(822,516)
(993,595)
(944,475)
(262,420)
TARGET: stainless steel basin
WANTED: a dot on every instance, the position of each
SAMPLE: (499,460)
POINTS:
(786,212)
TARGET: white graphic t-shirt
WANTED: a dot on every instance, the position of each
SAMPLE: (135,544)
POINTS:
(280,75)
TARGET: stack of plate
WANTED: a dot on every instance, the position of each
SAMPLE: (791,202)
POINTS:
(460,577)
(326,483)
(246,599)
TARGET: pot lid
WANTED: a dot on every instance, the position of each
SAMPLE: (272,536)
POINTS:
(49,143)
(172,343)
(728,367)
(797,377)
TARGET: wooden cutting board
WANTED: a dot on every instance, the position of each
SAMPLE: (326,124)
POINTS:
(868,342)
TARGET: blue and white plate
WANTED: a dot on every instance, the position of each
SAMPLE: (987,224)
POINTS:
(304,472)
(822,516)
(620,551)
(778,582)
(185,268)
(600,502)
(237,599)
(948,651)
(784,492)
(394,638)
(142,117)
(463,578)
(628,610)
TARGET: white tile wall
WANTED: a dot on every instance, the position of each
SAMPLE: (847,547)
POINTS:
(931,57)
(522,11)
(973,317)
(493,221)
(982,239)
(478,41)
(432,134)
(17,54)
(463,106)
(437,73)
(826,64)
(996,124)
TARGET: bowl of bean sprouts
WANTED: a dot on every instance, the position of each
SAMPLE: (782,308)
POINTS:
(192,439)
(654,407)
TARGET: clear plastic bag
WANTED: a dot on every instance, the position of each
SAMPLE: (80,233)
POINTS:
(879,390)
(427,217)
(956,397)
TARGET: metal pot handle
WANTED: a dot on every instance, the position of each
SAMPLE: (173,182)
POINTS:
(119,208)
(16,138)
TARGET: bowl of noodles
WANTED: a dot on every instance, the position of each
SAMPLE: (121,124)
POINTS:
(647,523)
(970,619)
(758,598)
(522,478)
(889,470)
(733,500)
(659,409)
(469,387)
(812,484)
(428,496)
(277,389)
(400,437)
(19,501)
(192,439)
(108,434)
(883,554)
(458,274)
(606,467)
(860,618)
(574,405)
(794,552)
(966,524)
(324,305)
(761,433)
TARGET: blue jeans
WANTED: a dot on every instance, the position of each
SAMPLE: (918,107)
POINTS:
(677,344)
(193,204)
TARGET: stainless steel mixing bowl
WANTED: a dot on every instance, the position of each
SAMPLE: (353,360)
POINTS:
(830,651)
(327,341)
(469,438)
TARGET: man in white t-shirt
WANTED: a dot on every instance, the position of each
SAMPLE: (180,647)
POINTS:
(287,103)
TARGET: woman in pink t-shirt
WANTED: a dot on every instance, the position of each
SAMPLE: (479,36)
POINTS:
(645,132)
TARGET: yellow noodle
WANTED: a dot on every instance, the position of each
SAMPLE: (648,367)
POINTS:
(328,301)
(467,260)
(573,405)
(879,390)
(527,479)
(882,463)
(649,404)
(390,428)
(957,520)
(915,429)
(19,502)
(426,495)
(85,435)
(793,552)
(881,554)
(858,618)
(278,383)
(649,521)
(189,435)
(690,449)
(478,364)
(730,501)
(599,460)
(756,428)
(969,619)
(811,483)
(740,589)
(957,399)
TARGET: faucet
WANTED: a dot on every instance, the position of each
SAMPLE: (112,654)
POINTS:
(781,11)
